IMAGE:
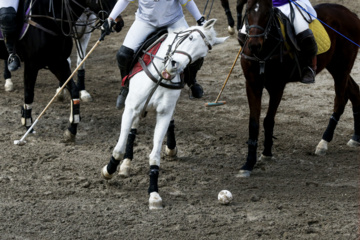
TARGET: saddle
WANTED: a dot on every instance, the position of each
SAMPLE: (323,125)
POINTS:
(321,36)
(135,65)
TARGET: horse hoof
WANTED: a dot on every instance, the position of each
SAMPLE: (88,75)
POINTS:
(9,86)
(85,96)
(155,201)
(321,148)
(125,168)
(231,30)
(68,136)
(244,174)
(105,174)
(62,95)
(352,143)
(265,158)
(170,152)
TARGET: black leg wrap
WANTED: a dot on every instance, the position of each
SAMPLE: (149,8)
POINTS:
(269,131)
(239,19)
(81,79)
(75,111)
(154,175)
(7,73)
(129,153)
(251,158)
(171,142)
(26,118)
(356,112)
(73,128)
(112,165)
(230,19)
(329,132)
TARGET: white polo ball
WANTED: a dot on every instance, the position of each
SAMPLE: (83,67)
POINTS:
(225,197)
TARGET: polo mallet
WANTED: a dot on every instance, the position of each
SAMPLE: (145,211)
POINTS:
(22,141)
(217,102)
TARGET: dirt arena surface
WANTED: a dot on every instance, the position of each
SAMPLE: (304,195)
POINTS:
(52,190)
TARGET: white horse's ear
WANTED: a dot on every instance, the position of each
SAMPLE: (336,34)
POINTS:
(220,40)
(210,23)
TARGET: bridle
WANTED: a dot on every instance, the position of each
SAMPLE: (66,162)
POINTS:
(272,21)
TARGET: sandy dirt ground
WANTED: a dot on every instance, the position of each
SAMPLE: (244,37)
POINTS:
(53,190)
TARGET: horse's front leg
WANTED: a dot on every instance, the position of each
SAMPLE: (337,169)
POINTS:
(171,149)
(254,95)
(61,70)
(109,170)
(269,120)
(30,75)
(162,123)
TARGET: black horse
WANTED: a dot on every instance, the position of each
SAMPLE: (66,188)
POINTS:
(267,64)
(48,43)
(231,22)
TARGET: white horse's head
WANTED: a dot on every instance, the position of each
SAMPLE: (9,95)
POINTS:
(190,45)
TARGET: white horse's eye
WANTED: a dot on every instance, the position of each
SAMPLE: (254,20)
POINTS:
(191,37)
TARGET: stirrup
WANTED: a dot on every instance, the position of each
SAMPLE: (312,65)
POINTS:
(308,75)
(120,102)
(13,62)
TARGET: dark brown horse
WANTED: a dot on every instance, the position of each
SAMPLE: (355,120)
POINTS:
(262,51)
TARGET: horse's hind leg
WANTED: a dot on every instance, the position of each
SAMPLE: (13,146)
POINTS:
(125,166)
(239,8)
(354,96)
(9,86)
(61,70)
(342,80)
(170,148)
(230,19)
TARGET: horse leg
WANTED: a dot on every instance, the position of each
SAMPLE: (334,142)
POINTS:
(30,75)
(239,8)
(125,166)
(231,22)
(341,79)
(61,70)
(170,148)
(128,118)
(9,86)
(254,94)
(162,124)
(269,121)
(354,96)
(83,42)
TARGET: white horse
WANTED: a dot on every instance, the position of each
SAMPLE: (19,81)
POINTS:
(177,51)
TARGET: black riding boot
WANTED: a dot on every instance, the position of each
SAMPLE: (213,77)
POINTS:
(9,29)
(190,78)
(124,58)
(308,46)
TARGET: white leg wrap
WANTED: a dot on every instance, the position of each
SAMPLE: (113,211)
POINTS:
(75,111)
(244,174)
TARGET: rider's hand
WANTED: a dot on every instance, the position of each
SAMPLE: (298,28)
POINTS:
(106,28)
(201,21)
(119,24)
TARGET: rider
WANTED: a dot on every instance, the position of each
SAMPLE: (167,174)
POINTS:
(304,35)
(150,16)
(8,27)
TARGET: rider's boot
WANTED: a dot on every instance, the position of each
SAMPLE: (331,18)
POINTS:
(124,58)
(190,78)
(308,47)
(10,33)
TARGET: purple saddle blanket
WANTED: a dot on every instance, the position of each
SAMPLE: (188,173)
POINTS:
(23,30)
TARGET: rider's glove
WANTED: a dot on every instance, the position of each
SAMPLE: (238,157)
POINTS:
(119,24)
(106,28)
(201,21)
